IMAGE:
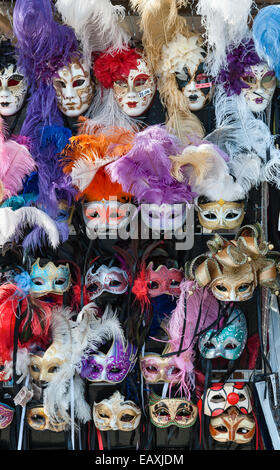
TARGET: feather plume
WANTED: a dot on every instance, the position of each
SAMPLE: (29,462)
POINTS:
(266,34)
(226,24)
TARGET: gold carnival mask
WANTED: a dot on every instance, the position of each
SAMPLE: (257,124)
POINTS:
(39,421)
(116,414)
(218,215)
(165,412)
(232,426)
(43,366)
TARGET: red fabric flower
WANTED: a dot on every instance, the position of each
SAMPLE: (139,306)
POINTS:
(109,67)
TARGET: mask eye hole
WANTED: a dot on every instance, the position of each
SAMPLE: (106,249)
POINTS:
(242,431)
(174,283)
(38,419)
(210,215)
(93,215)
(60,84)
(115,370)
(38,281)
(242,397)
(151,369)
(53,369)
(114,283)
(244,287)
(174,371)
(126,418)
(78,83)
(221,288)
(14,81)
(60,282)
(185,413)
(231,346)
(218,398)
(209,345)
(121,83)
(221,429)
(163,412)
(104,416)
(249,79)
(35,368)
(153,285)
(93,288)
(231,215)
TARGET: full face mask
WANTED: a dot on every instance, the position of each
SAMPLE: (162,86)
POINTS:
(232,426)
(112,367)
(134,94)
(102,217)
(165,412)
(113,280)
(74,89)
(260,86)
(116,414)
(229,342)
(221,215)
(13,90)
(220,397)
(167,217)
(39,421)
(6,415)
(163,280)
(49,279)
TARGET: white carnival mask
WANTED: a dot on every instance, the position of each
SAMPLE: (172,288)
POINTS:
(13,89)
(116,414)
(167,217)
(135,93)
(262,83)
(104,217)
(74,89)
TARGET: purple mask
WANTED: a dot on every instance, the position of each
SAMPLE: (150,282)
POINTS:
(112,367)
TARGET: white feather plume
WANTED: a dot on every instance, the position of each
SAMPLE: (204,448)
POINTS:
(85,169)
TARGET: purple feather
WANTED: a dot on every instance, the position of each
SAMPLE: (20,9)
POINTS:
(145,171)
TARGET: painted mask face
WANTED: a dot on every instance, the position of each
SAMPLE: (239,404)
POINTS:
(112,367)
(232,426)
(49,279)
(167,217)
(194,83)
(113,280)
(135,93)
(261,84)
(221,215)
(116,414)
(220,397)
(235,286)
(74,89)
(163,280)
(6,415)
(155,368)
(39,421)
(104,217)
(13,89)
(229,343)
(44,366)
(165,412)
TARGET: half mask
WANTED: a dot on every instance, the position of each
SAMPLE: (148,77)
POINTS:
(113,280)
(165,412)
(43,365)
(228,341)
(6,415)
(39,421)
(116,414)
(220,397)
(232,426)
(49,279)
(221,215)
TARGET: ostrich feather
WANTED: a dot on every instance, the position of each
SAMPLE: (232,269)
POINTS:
(266,35)
(85,169)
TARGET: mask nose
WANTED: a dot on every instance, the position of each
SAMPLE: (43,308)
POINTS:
(192,86)
(233,398)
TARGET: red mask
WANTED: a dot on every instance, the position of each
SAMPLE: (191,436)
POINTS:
(163,281)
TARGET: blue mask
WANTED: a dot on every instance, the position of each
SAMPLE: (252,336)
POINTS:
(49,279)
(229,342)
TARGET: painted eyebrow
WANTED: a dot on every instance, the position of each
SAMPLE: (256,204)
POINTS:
(161,405)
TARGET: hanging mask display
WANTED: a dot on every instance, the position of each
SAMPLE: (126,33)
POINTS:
(113,280)
(235,268)
(220,397)
(116,414)
(232,426)
(13,85)
(128,73)
(74,89)
(49,279)
(163,280)
(39,421)
(165,412)
(111,367)
(228,341)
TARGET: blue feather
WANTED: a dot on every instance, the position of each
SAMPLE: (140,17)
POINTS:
(57,135)
(266,35)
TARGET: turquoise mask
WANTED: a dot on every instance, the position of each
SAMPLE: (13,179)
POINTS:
(229,342)
(49,279)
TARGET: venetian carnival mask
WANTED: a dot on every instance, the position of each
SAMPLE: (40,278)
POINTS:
(6,415)
(74,89)
(167,217)
(163,280)
(220,397)
(49,279)
(260,86)
(44,365)
(165,412)
(229,341)
(112,367)
(13,89)
(221,215)
(135,93)
(116,414)
(232,426)
(39,421)
(103,217)
(113,280)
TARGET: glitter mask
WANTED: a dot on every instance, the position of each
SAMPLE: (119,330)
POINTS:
(135,93)
(74,89)
(112,367)
(229,342)
(260,86)
(221,215)
(163,280)
(232,426)
(116,414)
(6,415)
(13,90)
(102,217)
(165,412)
(220,397)
(49,279)
(113,280)
(39,421)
